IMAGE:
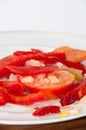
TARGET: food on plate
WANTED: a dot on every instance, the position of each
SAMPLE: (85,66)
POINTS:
(27,77)
(75,94)
(46,110)
(72,54)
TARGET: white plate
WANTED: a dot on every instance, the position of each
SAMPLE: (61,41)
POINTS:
(11,41)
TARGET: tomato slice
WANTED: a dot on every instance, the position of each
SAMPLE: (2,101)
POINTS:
(52,84)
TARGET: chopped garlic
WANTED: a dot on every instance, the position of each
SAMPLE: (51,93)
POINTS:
(40,76)
(27,79)
(60,65)
(33,62)
(12,77)
(45,80)
(53,79)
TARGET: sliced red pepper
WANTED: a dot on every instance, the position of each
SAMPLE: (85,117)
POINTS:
(74,65)
(33,51)
(32,70)
(20,59)
(9,60)
(12,60)
(3,62)
(46,110)
(28,99)
(74,94)
(10,93)
(20,53)
(4,98)
(47,58)
(50,58)
(13,87)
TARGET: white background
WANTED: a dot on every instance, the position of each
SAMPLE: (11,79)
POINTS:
(63,16)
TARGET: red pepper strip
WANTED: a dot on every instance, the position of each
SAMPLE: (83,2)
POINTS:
(3,62)
(36,50)
(32,70)
(13,87)
(74,94)
(20,53)
(74,65)
(47,58)
(4,98)
(13,60)
(33,51)
(50,58)
(46,110)
(28,99)
(9,60)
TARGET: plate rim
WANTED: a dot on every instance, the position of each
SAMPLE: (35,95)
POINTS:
(71,35)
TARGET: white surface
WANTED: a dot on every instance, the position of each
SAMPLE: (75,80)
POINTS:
(65,16)
(10,41)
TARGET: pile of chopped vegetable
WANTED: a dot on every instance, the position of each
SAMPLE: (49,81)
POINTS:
(32,76)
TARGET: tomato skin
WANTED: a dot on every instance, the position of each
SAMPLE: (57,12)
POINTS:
(28,99)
